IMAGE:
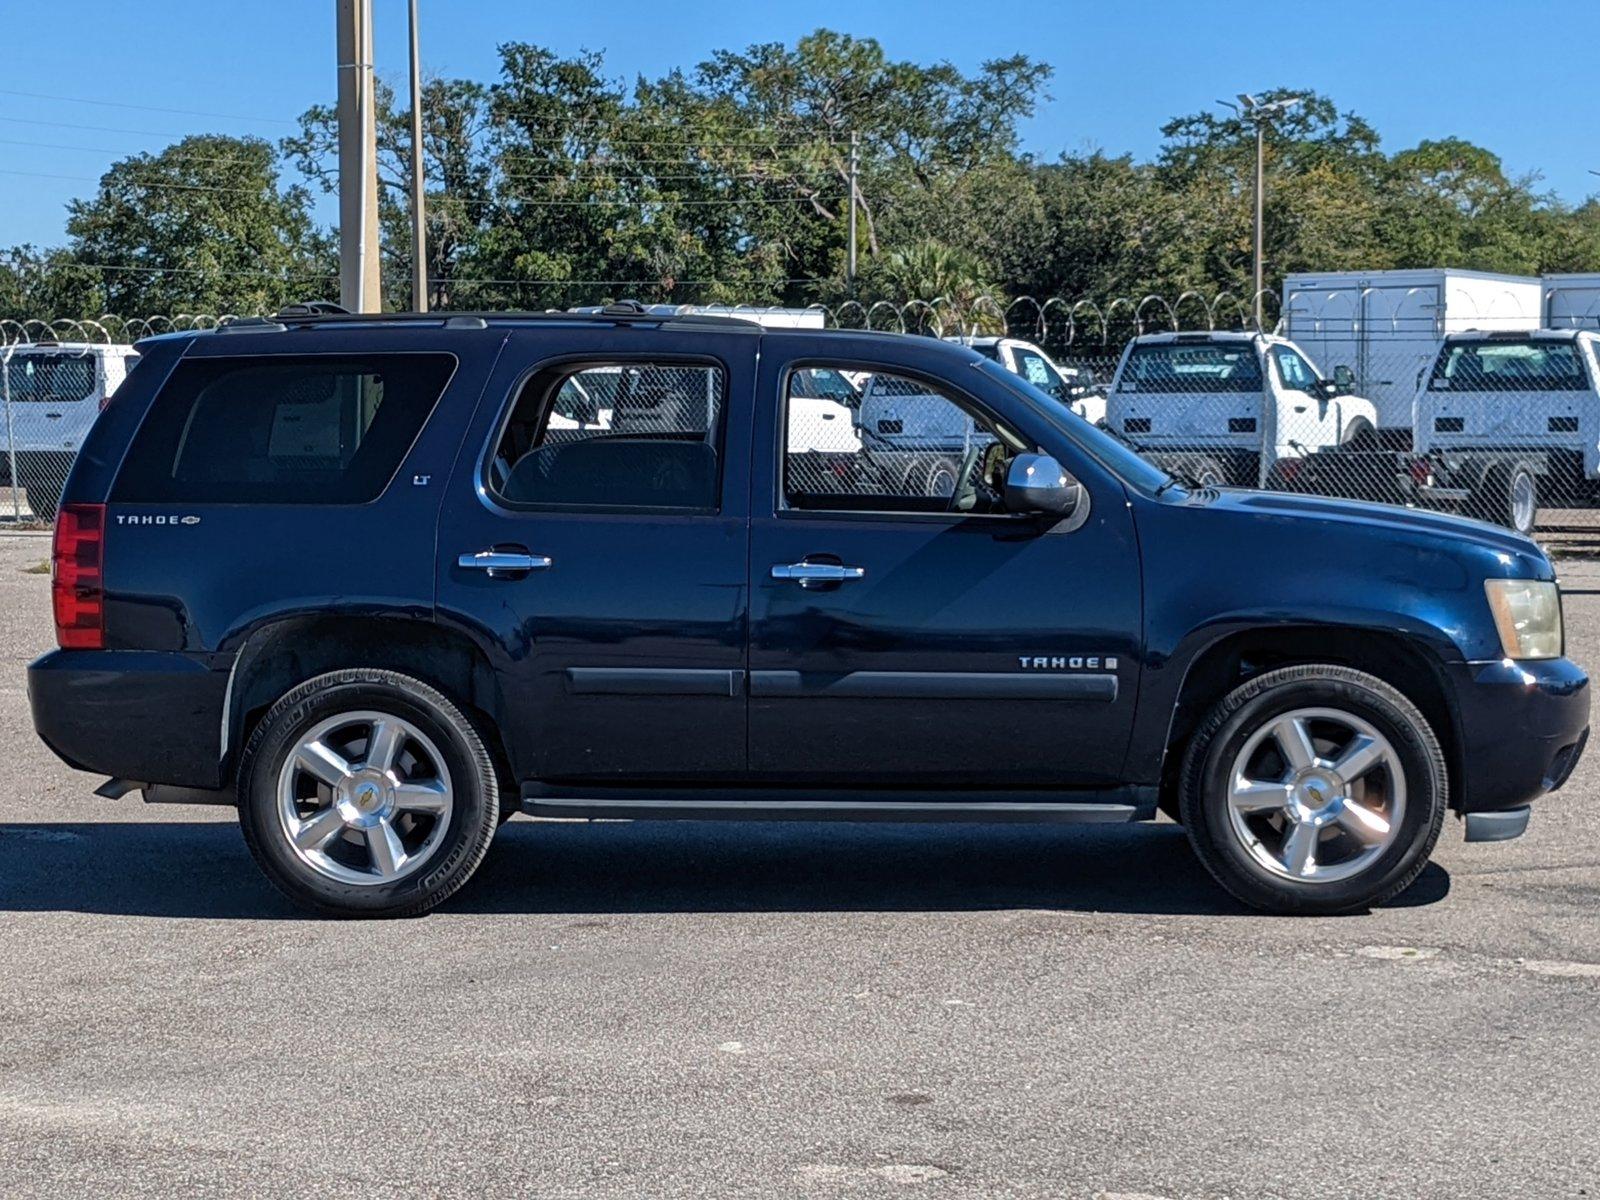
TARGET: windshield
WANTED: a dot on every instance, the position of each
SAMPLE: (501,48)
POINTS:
(1190,368)
(1117,458)
(1530,366)
(49,378)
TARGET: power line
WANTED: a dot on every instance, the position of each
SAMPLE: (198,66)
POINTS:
(182,158)
(181,187)
(100,128)
(182,112)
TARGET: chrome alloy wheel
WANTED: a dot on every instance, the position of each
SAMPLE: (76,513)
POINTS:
(364,798)
(1316,795)
(1523,500)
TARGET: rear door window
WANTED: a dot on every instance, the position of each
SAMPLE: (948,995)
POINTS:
(627,435)
(313,430)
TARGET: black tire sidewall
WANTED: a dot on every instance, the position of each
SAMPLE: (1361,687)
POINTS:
(475,809)
(1205,806)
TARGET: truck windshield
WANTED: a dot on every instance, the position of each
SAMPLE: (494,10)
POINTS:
(1203,367)
(1115,456)
(48,378)
(1530,366)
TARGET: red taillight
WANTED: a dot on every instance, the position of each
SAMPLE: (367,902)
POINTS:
(1421,472)
(76,580)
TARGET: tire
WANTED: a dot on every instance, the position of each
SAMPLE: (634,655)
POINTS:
(942,479)
(44,499)
(1209,472)
(1508,496)
(1352,865)
(1359,435)
(383,843)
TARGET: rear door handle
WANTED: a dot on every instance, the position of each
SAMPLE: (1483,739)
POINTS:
(815,574)
(507,561)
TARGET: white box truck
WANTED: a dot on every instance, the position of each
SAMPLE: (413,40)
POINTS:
(1386,326)
(1572,301)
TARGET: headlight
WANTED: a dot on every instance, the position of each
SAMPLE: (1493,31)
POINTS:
(1527,612)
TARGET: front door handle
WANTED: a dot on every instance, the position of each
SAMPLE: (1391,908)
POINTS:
(503,562)
(817,574)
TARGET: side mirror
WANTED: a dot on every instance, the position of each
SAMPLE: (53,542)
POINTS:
(1344,379)
(1036,483)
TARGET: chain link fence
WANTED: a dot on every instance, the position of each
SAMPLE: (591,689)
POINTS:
(1402,396)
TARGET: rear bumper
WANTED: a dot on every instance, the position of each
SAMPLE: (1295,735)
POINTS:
(140,715)
(1523,728)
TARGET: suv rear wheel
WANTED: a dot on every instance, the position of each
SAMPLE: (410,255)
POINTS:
(367,793)
(1314,789)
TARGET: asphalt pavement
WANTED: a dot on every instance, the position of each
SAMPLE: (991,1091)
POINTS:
(784,1010)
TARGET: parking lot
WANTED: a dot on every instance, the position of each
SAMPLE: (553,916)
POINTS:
(782,1010)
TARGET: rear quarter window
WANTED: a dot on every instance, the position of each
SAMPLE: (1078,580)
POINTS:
(320,429)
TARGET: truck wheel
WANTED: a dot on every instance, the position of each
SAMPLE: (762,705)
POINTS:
(365,793)
(1359,435)
(1209,472)
(44,499)
(1314,789)
(944,476)
(1508,496)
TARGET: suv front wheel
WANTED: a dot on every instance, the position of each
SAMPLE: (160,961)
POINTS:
(367,793)
(1314,789)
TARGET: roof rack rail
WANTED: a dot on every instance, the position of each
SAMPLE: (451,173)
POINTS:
(311,308)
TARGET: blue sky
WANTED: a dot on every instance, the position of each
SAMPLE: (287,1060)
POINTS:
(1517,78)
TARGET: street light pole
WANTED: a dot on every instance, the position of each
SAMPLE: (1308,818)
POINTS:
(419,219)
(1260,113)
(1261,181)
(855,168)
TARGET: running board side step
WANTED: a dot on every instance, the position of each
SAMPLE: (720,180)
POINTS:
(714,805)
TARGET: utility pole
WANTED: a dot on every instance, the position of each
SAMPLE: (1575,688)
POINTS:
(1260,113)
(419,218)
(360,284)
(855,171)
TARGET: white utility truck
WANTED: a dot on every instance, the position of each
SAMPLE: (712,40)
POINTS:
(1572,301)
(1242,409)
(52,392)
(1509,421)
(1075,387)
(1385,326)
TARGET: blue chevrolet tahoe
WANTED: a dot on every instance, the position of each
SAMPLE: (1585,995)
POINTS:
(382,582)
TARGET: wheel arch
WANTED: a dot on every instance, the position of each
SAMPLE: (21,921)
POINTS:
(1405,663)
(279,656)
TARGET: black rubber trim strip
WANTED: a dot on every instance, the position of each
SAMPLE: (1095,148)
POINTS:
(652,681)
(938,685)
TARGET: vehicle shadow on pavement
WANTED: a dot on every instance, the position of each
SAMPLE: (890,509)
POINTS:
(202,869)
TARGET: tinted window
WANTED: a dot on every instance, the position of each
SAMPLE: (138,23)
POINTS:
(613,435)
(910,447)
(48,378)
(1201,367)
(1531,366)
(315,430)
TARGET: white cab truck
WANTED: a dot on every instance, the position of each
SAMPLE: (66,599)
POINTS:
(52,392)
(1506,422)
(1385,326)
(1242,409)
(1075,387)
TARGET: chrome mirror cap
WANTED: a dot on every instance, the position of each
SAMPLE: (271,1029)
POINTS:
(1037,483)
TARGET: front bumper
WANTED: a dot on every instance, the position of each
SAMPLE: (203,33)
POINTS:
(1523,727)
(141,715)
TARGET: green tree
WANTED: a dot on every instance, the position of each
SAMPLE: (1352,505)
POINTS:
(201,227)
